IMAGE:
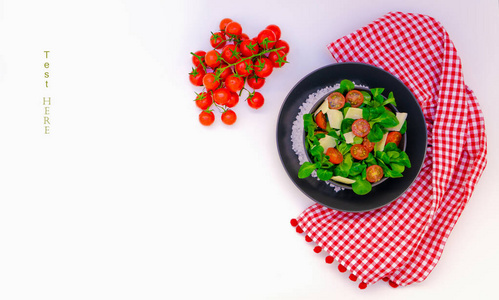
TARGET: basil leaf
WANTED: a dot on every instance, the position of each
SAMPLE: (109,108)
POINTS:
(306,169)
(357,168)
(333,134)
(403,129)
(391,147)
(390,99)
(377,91)
(367,97)
(343,169)
(344,148)
(308,120)
(317,152)
(397,168)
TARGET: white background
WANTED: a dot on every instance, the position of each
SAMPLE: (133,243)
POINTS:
(129,197)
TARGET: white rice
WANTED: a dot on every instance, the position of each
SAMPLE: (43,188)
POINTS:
(297,130)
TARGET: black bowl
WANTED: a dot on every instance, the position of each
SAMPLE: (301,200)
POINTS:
(363,75)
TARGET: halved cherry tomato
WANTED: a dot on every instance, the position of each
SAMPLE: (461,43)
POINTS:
(336,100)
(374,173)
(361,128)
(335,156)
(355,98)
(320,119)
(394,137)
(368,144)
(359,152)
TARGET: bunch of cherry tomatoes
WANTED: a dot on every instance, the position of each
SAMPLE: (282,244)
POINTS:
(234,62)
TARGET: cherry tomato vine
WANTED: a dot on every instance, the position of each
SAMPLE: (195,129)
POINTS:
(234,62)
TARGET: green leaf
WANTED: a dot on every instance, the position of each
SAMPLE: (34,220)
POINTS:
(346,125)
(344,148)
(397,168)
(367,97)
(306,169)
(376,134)
(403,129)
(344,167)
(308,119)
(317,152)
(333,134)
(361,186)
(357,168)
(324,174)
(377,91)
(346,86)
(390,100)
(357,140)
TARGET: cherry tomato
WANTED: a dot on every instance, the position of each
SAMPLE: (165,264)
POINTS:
(266,39)
(233,29)
(195,60)
(359,152)
(320,119)
(249,47)
(255,82)
(355,98)
(224,23)
(374,173)
(221,96)
(243,36)
(233,100)
(394,137)
(229,117)
(196,76)
(361,128)
(244,67)
(282,44)
(204,100)
(223,72)
(336,100)
(230,53)
(255,100)
(206,118)
(217,40)
(276,30)
(234,83)
(368,144)
(335,156)
(278,58)
(210,81)
(212,59)
(263,67)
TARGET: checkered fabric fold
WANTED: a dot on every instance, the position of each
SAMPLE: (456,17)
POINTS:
(403,241)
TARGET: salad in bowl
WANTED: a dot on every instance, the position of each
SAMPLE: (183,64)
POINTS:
(355,138)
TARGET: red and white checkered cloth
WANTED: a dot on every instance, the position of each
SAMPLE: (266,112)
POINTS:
(403,241)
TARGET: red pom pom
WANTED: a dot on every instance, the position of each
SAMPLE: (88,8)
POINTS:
(362,285)
(308,239)
(385,279)
(342,268)
(352,277)
(317,249)
(298,229)
(294,222)
(393,284)
(329,259)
